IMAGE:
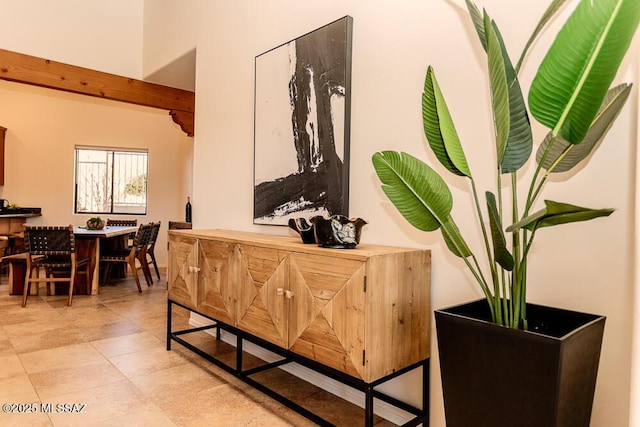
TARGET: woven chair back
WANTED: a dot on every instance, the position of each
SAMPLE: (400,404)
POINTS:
(143,236)
(49,240)
(122,222)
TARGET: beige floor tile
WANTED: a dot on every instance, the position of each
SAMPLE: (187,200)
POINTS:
(17,389)
(138,310)
(146,361)
(90,315)
(145,415)
(6,348)
(47,339)
(110,330)
(71,356)
(35,327)
(128,344)
(99,404)
(16,314)
(54,382)
(10,366)
(226,406)
(173,383)
(37,419)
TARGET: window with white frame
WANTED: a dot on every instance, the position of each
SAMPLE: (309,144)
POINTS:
(110,180)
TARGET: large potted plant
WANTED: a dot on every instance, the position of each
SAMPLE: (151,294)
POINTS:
(521,364)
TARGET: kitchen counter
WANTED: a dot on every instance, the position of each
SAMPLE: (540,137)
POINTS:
(9,214)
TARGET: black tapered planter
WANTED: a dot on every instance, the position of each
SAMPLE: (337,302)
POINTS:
(493,376)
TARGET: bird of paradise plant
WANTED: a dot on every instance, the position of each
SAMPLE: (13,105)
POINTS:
(570,95)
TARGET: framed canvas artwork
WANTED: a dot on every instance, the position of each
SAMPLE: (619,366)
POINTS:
(301,127)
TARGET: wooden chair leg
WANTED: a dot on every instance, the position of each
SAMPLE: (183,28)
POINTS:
(25,291)
(134,270)
(155,263)
(27,283)
(71,280)
(144,265)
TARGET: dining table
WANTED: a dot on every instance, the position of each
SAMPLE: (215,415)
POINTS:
(88,243)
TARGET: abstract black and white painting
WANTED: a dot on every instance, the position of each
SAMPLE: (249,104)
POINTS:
(302,103)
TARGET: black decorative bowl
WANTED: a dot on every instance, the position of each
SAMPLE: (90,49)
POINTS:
(303,228)
(338,231)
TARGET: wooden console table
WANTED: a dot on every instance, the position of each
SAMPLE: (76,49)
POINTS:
(360,316)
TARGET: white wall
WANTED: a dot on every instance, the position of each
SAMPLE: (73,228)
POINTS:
(169,31)
(101,35)
(586,266)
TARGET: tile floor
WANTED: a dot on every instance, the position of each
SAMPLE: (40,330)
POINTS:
(106,357)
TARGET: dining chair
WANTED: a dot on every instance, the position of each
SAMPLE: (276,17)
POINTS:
(124,223)
(155,229)
(60,262)
(129,256)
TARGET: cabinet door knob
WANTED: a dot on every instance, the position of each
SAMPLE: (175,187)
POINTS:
(288,294)
(279,291)
(193,269)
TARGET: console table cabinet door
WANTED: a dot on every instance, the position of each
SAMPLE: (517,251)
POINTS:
(398,313)
(216,292)
(183,257)
(326,315)
(262,285)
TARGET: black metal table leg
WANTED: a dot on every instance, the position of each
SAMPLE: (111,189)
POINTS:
(425,390)
(168,324)
(238,354)
(368,406)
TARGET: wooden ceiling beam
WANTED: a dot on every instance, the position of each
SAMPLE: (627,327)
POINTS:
(20,68)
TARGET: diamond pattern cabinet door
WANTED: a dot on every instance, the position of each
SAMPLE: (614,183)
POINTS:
(183,256)
(326,315)
(261,275)
(217,294)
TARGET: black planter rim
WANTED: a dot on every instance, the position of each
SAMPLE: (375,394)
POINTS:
(587,319)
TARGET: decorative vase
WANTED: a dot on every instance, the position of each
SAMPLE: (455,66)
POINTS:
(493,376)
(338,231)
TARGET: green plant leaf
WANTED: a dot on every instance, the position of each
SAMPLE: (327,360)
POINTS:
(439,128)
(453,239)
(564,155)
(557,213)
(499,90)
(514,141)
(416,190)
(578,69)
(519,143)
(478,22)
(500,251)
(546,17)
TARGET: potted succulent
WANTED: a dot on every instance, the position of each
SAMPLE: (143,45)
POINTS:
(495,375)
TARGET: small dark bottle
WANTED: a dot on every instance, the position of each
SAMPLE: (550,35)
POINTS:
(187,210)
